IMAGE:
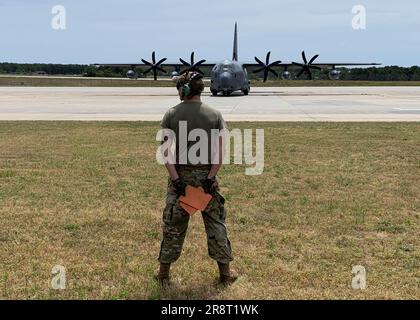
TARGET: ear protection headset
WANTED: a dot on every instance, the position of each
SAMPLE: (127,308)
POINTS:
(186,88)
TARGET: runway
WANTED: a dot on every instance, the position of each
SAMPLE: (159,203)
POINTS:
(263,104)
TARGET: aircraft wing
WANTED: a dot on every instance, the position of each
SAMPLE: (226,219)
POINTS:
(266,67)
(155,66)
(332,65)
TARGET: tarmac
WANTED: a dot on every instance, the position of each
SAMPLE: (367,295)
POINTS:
(262,104)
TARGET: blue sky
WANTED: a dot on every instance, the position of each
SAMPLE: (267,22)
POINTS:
(125,30)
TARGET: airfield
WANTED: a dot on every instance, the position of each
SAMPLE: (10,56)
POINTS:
(339,189)
(338,104)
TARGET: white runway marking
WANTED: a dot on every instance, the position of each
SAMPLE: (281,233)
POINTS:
(400,109)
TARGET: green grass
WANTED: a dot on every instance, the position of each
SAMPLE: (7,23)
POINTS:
(89,196)
(98,82)
(22,81)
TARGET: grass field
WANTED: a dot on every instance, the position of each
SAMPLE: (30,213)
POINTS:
(106,82)
(22,81)
(89,196)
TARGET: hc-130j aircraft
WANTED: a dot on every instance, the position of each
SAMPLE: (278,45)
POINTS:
(231,75)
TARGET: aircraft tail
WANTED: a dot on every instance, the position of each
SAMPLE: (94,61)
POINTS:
(235,44)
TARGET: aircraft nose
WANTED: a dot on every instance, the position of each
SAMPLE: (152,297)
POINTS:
(225,79)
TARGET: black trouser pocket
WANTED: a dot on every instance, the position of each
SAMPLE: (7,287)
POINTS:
(220,198)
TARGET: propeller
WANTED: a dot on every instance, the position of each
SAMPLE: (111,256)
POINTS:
(267,66)
(193,66)
(154,66)
(306,66)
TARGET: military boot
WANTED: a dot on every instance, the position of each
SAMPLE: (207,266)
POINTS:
(162,276)
(227,276)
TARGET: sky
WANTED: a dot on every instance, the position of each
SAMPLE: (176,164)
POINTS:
(123,31)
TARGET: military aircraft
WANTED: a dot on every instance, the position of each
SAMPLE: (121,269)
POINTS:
(231,75)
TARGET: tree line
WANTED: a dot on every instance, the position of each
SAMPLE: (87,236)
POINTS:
(388,73)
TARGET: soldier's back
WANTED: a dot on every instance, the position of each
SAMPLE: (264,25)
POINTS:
(198,115)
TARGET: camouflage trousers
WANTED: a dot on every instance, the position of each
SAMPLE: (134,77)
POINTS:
(175,221)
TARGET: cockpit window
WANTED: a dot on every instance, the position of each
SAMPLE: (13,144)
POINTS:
(223,67)
(227,67)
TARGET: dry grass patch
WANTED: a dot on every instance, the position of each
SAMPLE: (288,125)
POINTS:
(89,196)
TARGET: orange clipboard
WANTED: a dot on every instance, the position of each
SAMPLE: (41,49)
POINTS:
(195,199)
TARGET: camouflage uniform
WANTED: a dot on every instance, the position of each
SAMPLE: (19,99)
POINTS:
(175,220)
